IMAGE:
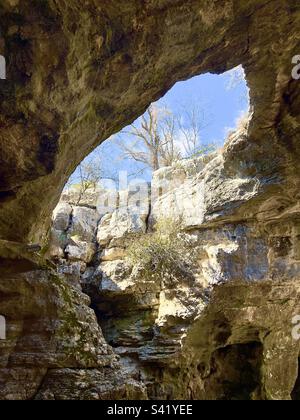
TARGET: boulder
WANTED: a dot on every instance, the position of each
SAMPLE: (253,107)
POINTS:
(84,224)
(58,243)
(115,277)
(80,251)
(112,254)
(61,216)
(122,224)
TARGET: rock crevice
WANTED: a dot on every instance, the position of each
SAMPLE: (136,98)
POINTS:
(187,328)
(78,73)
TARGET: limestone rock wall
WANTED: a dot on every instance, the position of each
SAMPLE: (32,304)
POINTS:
(77,72)
(223,334)
(54,336)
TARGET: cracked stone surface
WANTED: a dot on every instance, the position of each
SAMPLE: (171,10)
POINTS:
(78,72)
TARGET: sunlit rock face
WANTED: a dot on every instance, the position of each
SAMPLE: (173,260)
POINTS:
(78,72)
(226,331)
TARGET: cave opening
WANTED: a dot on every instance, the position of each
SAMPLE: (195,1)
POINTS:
(96,222)
(77,74)
(235,372)
(194,118)
(129,318)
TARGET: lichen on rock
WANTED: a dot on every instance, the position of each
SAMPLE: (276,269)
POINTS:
(78,72)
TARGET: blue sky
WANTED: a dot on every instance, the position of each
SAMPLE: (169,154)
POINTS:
(222,100)
(222,103)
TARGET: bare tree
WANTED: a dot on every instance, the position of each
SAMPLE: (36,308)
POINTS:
(87,175)
(170,151)
(162,138)
(147,142)
(190,125)
(90,175)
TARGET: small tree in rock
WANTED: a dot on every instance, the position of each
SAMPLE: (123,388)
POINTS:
(164,255)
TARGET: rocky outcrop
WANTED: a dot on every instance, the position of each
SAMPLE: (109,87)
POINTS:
(222,331)
(56,333)
(77,73)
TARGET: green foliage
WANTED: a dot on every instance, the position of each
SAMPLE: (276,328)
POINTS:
(164,255)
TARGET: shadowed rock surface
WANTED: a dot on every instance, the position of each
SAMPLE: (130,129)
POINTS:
(226,331)
(77,73)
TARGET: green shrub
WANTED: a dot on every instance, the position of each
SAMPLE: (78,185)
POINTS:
(164,255)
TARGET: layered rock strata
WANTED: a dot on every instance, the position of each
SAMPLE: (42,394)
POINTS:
(223,334)
(78,72)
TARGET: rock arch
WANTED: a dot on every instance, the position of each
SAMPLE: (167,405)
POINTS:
(108,68)
(75,76)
